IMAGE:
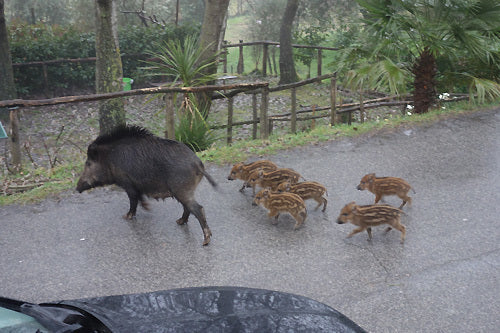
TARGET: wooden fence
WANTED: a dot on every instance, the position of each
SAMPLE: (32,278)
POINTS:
(260,119)
(223,60)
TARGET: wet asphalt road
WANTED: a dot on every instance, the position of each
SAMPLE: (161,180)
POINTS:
(445,278)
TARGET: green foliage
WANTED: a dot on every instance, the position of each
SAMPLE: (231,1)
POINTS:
(463,36)
(384,75)
(309,35)
(46,42)
(193,130)
(181,61)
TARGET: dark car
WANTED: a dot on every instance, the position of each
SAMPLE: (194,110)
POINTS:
(202,309)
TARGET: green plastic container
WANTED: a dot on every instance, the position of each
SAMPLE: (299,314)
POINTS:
(127,83)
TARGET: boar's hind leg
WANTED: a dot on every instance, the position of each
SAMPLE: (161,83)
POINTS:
(197,210)
(185,216)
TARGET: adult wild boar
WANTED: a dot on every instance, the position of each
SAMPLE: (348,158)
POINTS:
(146,165)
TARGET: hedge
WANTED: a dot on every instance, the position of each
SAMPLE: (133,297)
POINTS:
(41,42)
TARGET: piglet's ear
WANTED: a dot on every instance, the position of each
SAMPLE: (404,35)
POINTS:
(354,207)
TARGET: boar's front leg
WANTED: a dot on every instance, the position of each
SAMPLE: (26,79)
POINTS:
(133,196)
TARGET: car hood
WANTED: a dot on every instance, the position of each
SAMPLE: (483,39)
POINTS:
(210,309)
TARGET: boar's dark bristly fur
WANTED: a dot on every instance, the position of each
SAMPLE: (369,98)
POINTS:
(146,165)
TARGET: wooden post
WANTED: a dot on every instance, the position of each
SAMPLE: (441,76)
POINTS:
(333,98)
(313,121)
(254,116)
(241,67)
(230,120)
(46,81)
(270,131)
(320,61)
(264,59)
(14,137)
(169,116)
(361,107)
(226,51)
(293,117)
(264,129)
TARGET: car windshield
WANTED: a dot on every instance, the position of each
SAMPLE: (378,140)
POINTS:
(15,322)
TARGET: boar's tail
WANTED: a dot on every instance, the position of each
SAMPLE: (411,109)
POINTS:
(209,178)
(212,182)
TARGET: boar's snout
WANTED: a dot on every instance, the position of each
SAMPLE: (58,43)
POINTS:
(339,221)
(254,204)
(359,188)
(82,186)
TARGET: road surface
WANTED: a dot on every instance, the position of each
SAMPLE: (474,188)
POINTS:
(444,278)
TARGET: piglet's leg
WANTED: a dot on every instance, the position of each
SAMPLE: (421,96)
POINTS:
(369,231)
(274,213)
(355,231)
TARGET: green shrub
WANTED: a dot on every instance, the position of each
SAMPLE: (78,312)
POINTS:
(41,42)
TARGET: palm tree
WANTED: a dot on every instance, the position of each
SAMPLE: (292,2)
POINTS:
(418,34)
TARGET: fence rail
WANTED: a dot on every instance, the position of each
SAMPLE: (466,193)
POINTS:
(260,115)
(223,60)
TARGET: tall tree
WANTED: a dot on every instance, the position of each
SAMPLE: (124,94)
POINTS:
(8,90)
(423,31)
(212,35)
(7,86)
(109,72)
(287,65)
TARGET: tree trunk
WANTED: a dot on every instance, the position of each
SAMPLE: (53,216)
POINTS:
(212,35)
(7,86)
(287,65)
(109,73)
(424,93)
(8,91)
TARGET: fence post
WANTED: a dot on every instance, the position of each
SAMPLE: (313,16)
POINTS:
(264,129)
(241,67)
(361,107)
(271,125)
(333,99)
(264,59)
(230,120)
(169,117)
(254,116)
(313,120)
(226,51)
(15,144)
(320,61)
(293,118)
(46,81)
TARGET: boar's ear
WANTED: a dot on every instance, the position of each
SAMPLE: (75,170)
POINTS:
(353,206)
(92,152)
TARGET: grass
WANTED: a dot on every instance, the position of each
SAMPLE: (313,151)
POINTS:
(63,178)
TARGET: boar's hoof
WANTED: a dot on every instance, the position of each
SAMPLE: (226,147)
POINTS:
(129,216)
(181,221)
(145,205)
(207,234)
